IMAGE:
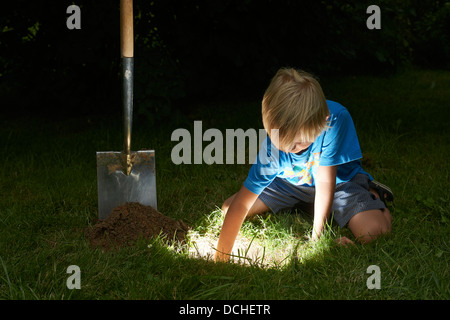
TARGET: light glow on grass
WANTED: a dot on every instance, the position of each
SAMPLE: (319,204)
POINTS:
(266,241)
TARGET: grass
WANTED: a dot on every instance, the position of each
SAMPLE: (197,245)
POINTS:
(49,195)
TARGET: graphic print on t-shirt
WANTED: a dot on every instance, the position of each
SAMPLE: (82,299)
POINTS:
(301,174)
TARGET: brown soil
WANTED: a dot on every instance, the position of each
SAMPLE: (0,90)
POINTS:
(128,222)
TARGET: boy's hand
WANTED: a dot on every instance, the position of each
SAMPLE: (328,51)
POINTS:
(343,241)
(314,237)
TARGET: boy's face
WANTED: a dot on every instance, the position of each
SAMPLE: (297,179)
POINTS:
(297,146)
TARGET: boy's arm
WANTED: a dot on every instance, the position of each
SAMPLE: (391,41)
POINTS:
(325,186)
(236,214)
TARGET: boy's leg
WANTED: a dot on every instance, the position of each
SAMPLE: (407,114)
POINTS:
(368,225)
(257,208)
(368,215)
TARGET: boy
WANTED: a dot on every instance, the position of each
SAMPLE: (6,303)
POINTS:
(311,156)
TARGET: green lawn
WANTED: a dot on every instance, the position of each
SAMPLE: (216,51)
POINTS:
(49,195)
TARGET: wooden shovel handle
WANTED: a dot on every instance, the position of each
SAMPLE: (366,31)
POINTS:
(126,28)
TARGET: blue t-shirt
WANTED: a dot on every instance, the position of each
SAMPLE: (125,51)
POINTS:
(338,145)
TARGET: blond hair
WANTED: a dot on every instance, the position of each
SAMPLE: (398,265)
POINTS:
(295,104)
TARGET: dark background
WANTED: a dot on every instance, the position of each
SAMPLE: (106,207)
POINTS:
(191,51)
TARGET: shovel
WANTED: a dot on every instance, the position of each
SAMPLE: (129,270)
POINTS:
(126,176)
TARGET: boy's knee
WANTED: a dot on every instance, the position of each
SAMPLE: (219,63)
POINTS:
(370,229)
(379,229)
(372,232)
(227,204)
(224,207)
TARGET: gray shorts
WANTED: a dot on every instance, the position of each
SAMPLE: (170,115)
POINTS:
(350,198)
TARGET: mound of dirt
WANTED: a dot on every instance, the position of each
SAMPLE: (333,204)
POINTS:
(128,222)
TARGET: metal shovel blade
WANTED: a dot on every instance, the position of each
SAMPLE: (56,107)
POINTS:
(116,187)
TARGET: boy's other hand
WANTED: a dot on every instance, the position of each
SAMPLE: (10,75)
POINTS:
(343,241)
